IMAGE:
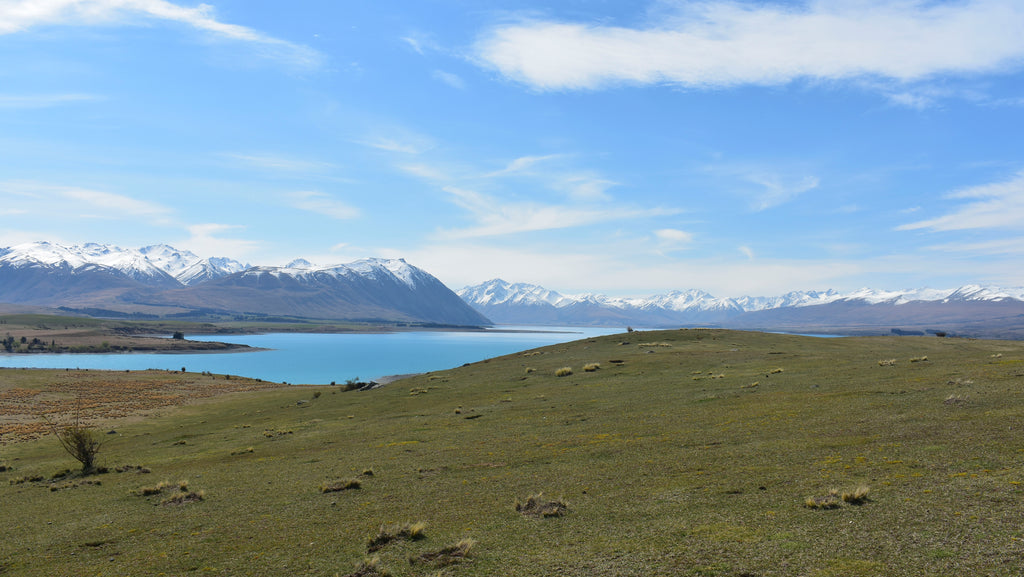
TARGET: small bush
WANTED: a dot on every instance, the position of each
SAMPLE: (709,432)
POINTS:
(81,442)
(344,485)
(592,367)
(386,535)
(537,506)
(447,555)
(563,372)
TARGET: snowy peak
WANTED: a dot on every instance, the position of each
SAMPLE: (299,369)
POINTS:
(396,271)
(498,292)
(159,264)
(524,303)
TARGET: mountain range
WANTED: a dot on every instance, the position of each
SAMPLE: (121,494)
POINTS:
(970,310)
(161,281)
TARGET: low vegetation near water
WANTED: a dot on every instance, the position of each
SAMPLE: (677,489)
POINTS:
(708,453)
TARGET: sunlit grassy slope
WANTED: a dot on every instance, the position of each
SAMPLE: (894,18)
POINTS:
(686,452)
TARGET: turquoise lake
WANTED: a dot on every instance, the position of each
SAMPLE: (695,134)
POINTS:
(321,358)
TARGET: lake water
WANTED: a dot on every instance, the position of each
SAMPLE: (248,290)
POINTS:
(302,358)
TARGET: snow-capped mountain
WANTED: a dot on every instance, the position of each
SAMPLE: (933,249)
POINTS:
(520,303)
(160,280)
(156,265)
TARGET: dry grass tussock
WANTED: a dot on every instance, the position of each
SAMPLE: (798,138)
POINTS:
(563,372)
(369,568)
(591,367)
(343,485)
(537,506)
(386,535)
(887,363)
(834,499)
(446,555)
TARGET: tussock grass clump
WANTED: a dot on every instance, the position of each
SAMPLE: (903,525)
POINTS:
(918,359)
(537,506)
(834,498)
(887,363)
(775,371)
(957,400)
(591,367)
(830,501)
(369,568)
(858,496)
(386,535)
(563,372)
(530,370)
(343,485)
(660,344)
(184,497)
(445,556)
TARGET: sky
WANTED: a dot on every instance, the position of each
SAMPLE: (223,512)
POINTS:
(620,147)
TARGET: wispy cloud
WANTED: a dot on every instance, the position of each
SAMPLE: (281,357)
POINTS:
(83,202)
(323,203)
(997,205)
(425,171)
(777,190)
(673,238)
(522,164)
(207,238)
(453,80)
(43,100)
(21,15)
(709,44)
(399,140)
(274,162)
(495,218)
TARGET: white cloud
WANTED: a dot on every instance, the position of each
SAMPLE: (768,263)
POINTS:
(82,202)
(453,80)
(425,171)
(205,239)
(522,164)
(997,205)
(43,100)
(747,252)
(323,203)
(20,15)
(588,187)
(495,218)
(273,162)
(709,44)
(778,190)
(674,236)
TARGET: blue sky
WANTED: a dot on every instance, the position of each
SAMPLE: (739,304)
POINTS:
(620,147)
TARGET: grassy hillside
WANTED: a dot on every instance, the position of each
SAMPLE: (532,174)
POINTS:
(691,452)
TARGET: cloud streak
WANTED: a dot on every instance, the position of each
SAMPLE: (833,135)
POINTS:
(323,203)
(997,205)
(21,15)
(495,218)
(708,45)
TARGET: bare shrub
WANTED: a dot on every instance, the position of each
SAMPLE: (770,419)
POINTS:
(81,442)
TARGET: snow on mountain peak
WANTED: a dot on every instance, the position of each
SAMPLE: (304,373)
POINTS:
(155,263)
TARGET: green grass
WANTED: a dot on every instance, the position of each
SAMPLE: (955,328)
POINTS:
(664,474)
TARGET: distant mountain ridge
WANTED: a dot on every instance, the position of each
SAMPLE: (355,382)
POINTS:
(989,310)
(161,281)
